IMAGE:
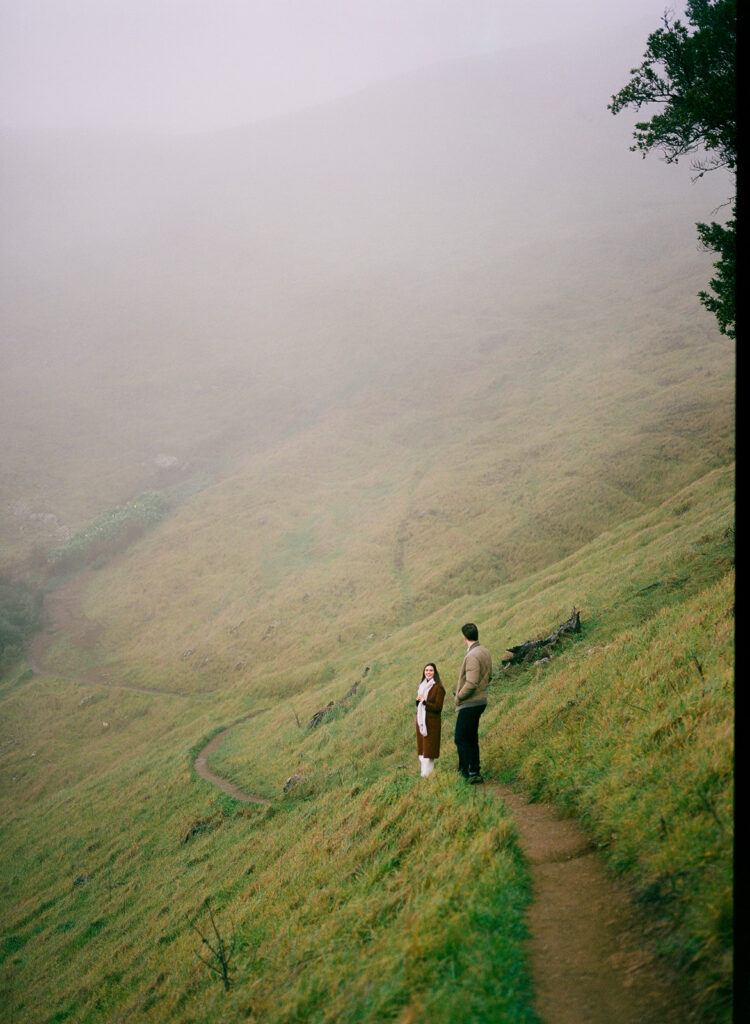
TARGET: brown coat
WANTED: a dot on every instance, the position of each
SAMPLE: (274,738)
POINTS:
(429,745)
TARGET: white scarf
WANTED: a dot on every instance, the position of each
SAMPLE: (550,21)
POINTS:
(424,689)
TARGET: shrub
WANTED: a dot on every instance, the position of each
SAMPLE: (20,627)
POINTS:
(110,533)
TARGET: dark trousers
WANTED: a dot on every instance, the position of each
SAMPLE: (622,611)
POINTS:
(467,739)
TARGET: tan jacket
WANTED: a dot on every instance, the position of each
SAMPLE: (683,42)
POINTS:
(474,677)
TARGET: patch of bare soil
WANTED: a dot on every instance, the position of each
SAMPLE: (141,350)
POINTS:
(590,952)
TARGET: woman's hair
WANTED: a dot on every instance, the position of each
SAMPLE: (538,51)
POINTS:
(437,674)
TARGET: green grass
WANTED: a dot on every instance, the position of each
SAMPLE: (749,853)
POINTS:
(305,922)
(338,893)
(637,742)
(369,520)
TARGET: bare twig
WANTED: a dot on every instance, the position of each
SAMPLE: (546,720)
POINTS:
(221,951)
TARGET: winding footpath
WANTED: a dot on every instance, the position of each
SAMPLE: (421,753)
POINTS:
(201,767)
(590,951)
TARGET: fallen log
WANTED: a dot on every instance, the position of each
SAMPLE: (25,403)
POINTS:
(530,650)
(320,716)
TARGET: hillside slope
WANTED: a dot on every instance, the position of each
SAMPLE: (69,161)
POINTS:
(114,852)
(427,355)
(193,301)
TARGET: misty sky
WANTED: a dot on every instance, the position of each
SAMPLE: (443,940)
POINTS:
(196,65)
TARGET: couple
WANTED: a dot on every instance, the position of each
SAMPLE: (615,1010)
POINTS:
(470,700)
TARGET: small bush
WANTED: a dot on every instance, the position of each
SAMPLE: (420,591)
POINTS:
(111,533)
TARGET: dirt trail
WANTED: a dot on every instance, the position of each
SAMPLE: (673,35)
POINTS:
(201,766)
(589,948)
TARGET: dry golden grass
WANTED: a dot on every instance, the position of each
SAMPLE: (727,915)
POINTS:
(366,520)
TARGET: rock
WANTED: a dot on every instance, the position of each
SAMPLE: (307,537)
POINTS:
(292,781)
(271,629)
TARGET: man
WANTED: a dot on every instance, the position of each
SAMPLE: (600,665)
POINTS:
(471,700)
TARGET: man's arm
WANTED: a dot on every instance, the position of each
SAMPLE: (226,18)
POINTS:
(471,680)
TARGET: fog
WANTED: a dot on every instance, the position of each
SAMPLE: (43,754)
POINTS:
(240,219)
(198,65)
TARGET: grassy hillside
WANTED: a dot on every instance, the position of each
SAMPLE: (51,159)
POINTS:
(200,300)
(630,727)
(290,405)
(388,506)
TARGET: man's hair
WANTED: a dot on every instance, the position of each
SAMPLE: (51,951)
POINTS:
(470,631)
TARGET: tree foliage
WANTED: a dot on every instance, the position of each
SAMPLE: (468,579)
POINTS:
(690,72)
(722,240)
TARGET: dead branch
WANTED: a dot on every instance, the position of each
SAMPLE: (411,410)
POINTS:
(533,649)
(323,713)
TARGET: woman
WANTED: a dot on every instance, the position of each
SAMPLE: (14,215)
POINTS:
(430,697)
